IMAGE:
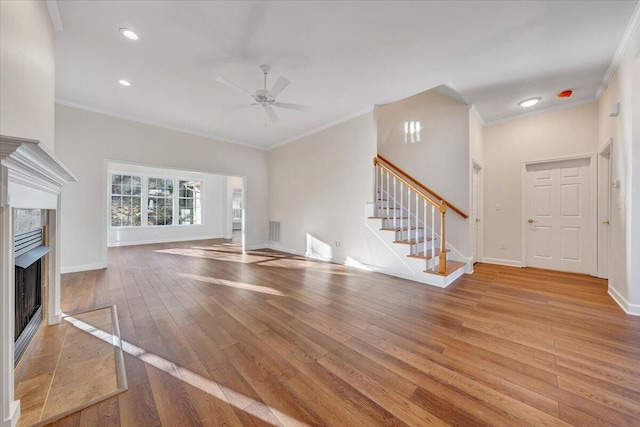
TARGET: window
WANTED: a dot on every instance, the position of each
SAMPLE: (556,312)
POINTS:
(160,201)
(141,201)
(236,205)
(189,202)
(126,200)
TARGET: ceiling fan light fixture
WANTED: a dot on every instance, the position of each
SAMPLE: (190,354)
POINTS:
(124,82)
(130,34)
(529,102)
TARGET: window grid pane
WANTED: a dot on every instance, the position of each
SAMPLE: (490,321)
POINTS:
(189,202)
(160,201)
(125,200)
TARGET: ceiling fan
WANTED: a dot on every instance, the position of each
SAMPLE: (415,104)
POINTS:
(265,97)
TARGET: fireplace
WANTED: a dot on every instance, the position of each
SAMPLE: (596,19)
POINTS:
(30,179)
(29,253)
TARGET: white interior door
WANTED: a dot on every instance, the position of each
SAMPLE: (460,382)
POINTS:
(474,212)
(557,208)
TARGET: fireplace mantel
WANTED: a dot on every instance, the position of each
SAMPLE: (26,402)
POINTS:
(30,178)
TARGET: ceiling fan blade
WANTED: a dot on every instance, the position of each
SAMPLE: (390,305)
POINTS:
(293,106)
(279,86)
(233,85)
(272,114)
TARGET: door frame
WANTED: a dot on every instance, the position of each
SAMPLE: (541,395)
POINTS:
(476,165)
(604,207)
(593,206)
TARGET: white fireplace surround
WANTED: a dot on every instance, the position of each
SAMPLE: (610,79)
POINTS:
(30,178)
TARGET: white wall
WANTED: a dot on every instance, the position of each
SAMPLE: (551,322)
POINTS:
(27,87)
(476,138)
(85,139)
(569,132)
(441,161)
(319,185)
(213,210)
(624,88)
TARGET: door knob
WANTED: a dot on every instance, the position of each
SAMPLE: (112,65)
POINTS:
(477,219)
(531,221)
(606,221)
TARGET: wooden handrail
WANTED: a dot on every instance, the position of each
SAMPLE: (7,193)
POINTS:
(415,182)
(440,205)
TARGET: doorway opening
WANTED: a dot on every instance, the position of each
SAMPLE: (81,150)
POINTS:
(235,209)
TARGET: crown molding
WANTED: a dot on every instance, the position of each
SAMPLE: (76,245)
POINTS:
(625,42)
(156,124)
(323,127)
(555,108)
(54,14)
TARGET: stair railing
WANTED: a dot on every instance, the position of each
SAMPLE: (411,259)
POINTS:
(391,184)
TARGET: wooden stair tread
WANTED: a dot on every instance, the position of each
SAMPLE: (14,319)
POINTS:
(420,255)
(386,217)
(451,267)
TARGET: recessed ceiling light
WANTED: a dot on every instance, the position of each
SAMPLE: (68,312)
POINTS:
(124,83)
(529,102)
(130,34)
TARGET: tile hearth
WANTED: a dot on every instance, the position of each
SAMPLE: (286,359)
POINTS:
(71,368)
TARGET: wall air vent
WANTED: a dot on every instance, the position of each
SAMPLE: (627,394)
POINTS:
(275,228)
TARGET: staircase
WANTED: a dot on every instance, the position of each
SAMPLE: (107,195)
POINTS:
(410,219)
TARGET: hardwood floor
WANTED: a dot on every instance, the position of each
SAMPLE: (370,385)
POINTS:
(215,337)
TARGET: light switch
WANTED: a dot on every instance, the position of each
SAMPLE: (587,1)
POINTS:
(498,206)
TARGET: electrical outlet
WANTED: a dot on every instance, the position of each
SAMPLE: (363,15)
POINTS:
(337,243)
(498,206)
(503,245)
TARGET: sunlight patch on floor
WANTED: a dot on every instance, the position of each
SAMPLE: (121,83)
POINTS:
(232,284)
(207,385)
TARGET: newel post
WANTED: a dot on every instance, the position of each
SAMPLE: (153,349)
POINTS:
(442,268)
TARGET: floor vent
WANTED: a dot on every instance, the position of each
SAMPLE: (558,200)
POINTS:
(274,231)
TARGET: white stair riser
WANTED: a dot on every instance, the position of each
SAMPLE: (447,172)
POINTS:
(409,234)
(398,222)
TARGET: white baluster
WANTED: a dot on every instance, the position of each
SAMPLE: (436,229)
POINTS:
(394,203)
(401,203)
(380,184)
(424,223)
(408,213)
(387,199)
(417,216)
(433,227)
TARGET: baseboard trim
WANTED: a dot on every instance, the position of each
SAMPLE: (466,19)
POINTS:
(85,267)
(631,309)
(256,247)
(14,414)
(168,240)
(506,262)
(287,250)
(54,319)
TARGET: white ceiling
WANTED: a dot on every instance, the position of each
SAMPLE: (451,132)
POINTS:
(342,58)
